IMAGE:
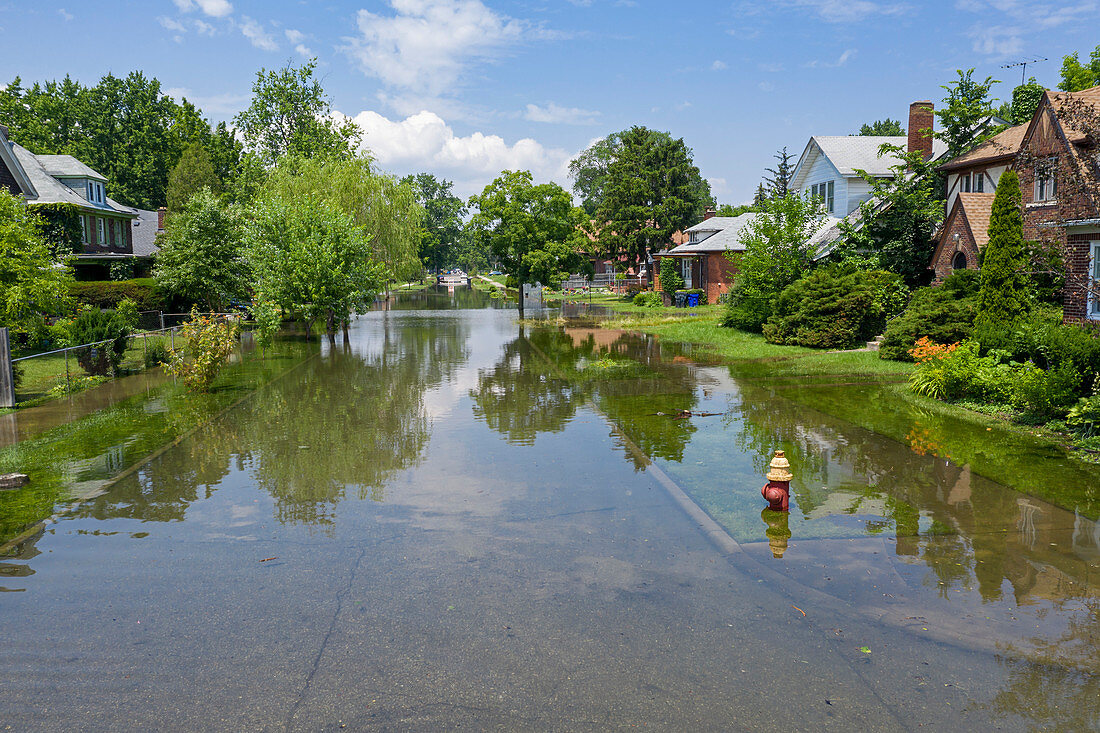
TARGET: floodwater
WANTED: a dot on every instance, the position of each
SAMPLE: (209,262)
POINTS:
(454,521)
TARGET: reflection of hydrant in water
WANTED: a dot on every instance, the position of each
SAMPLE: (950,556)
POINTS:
(778,533)
(778,489)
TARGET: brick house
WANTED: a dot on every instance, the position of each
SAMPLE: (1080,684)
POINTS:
(106,224)
(1057,160)
(702,259)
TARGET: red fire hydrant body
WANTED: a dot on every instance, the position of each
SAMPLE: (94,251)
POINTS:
(778,489)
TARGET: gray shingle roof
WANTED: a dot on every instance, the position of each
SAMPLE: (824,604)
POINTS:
(52,191)
(726,230)
(849,153)
(144,229)
(67,166)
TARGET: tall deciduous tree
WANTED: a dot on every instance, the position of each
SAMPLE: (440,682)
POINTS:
(32,283)
(1005,294)
(964,113)
(1025,100)
(290,115)
(382,207)
(443,212)
(534,231)
(777,253)
(652,189)
(311,259)
(1077,76)
(193,172)
(202,257)
(883,128)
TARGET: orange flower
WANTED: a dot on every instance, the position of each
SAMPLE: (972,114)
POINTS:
(925,350)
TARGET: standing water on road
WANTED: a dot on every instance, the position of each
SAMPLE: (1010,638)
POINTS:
(454,520)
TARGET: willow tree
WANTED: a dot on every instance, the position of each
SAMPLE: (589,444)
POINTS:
(381,206)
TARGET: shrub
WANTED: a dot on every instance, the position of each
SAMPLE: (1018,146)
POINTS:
(1046,392)
(93,325)
(649,300)
(107,293)
(210,339)
(670,276)
(122,269)
(1084,417)
(833,308)
(944,314)
(157,354)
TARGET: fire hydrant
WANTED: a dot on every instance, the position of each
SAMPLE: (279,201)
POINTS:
(778,489)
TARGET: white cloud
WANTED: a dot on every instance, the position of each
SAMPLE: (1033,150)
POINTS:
(171,24)
(425,45)
(65,14)
(424,141)
(1014,19)
(996,40)
(298,39)
(218,105)
(848,11)
(201,26)
(719,66)
(556,114)
(256,34)
(841,60)
(213,8)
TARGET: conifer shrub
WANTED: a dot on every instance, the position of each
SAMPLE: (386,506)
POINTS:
(944,314)
(92,326)
(1005,294)
(835,308)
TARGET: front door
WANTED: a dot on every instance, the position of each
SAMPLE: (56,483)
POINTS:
(685,269)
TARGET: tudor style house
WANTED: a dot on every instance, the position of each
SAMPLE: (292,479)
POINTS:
(1056,157)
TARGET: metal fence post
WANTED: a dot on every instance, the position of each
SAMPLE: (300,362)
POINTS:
(161,320)
(68,386)
(7,375)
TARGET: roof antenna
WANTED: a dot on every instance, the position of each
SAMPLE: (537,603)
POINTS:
(1024,63)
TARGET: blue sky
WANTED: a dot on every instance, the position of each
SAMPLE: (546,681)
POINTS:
(466,88)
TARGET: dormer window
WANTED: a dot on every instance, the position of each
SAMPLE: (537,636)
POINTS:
(824,191)
(96,193)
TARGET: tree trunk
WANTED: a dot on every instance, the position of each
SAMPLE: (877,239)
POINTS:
(521,300)
(330,326)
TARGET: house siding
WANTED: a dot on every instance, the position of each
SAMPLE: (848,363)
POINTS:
(991,173)
(859,191)
(822,171)
(7,179)
(719,273)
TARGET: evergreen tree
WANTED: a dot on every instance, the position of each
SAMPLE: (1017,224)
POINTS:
(1005,294)
(781,176)
(760,196)
(194,171)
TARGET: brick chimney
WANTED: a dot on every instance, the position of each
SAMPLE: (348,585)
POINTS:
(921,121)
(161,212)
(708,213)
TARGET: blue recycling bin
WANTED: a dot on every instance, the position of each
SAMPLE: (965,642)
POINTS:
(693,300)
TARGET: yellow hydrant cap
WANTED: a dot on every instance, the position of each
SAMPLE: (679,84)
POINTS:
(779,466)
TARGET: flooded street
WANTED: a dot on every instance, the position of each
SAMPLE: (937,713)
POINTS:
(454,521)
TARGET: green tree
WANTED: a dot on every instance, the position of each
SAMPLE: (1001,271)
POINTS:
(1025,100)
(883,128)
(896,227)
(201,258)
(670,276)
(193,172)
(589,171)
(779,181)
(383,208)
(777,253)
(32,283)
(731,210)
(534,231)
(290,115)
(1005,294)
(1077,76)
(442,228)
(965,109)
(652,189)
(312,259)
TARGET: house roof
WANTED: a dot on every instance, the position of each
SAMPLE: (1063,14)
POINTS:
(52,191)
(977,207)
(7,155)
(66,166)
(1060,101)
(726,232)
(851,153)
(144,229)
(1004,144)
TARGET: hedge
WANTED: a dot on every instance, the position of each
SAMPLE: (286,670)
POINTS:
(107,293)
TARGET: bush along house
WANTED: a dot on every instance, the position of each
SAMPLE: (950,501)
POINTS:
(1057,157)
(65,187)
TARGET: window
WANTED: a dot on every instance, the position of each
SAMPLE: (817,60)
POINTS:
(825,192)
(959,263)
(979,182)
(101,231)
(1094,281)
(1046,183)
(964,183)
(84,229)
(685,269)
